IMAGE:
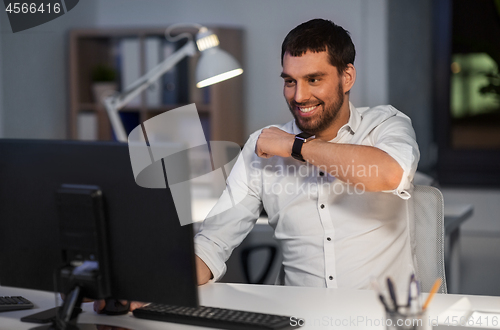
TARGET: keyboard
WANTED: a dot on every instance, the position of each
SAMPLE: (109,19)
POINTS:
(12,303)
(212,317)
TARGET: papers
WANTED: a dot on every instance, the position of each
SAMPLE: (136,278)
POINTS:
(462,314)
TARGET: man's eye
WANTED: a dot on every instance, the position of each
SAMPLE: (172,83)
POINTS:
(313,80)
(289,82)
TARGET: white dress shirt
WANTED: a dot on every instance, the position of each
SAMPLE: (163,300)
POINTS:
(331,234)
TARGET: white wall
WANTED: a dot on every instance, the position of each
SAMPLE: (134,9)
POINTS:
(34,74)
(266,23)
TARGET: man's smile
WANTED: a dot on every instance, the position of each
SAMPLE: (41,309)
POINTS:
(307,110)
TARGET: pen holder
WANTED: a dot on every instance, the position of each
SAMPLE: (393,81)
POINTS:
(404,320)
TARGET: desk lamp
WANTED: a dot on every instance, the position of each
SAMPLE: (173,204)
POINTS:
(214,65)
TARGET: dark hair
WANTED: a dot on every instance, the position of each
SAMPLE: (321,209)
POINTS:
(319,35)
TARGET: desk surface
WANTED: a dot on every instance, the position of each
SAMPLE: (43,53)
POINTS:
(321,308)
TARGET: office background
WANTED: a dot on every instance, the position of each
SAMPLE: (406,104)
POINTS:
(393,40)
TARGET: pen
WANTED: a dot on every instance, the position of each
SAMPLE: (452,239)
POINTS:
(392,293)
(381,297)
(434,289)
(414,296)
(412,277)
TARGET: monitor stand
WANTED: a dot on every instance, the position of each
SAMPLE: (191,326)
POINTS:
(65,317)
(86,271)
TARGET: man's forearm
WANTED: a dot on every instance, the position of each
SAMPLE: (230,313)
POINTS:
(366,165)
(203,272)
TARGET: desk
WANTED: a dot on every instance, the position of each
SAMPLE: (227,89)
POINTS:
(318,306)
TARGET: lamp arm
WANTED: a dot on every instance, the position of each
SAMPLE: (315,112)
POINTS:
(115,102)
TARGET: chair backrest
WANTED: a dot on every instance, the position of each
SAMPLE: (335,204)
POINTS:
(428,233)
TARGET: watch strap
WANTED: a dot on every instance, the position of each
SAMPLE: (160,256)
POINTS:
(300,139)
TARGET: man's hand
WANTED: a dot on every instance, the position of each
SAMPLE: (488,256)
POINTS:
(203,273)
(99,305)
(274,142)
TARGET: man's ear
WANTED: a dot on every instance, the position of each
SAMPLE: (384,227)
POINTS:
(349,77)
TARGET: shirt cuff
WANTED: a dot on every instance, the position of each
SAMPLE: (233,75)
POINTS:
(403,189)
(405,157)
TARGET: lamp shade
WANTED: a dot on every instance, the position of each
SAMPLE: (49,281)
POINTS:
(216,65)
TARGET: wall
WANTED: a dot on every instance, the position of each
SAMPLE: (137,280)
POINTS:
(266,23)
(35,97)
(410,69)
(34,74)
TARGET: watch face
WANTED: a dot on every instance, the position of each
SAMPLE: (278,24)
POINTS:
(304,135)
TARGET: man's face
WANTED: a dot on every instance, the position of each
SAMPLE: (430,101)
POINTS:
(313,90)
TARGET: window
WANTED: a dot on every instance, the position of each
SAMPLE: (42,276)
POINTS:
(467,91)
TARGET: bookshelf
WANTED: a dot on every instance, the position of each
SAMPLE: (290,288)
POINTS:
(220,106)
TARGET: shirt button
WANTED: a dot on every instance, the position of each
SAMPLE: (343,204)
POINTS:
(322,206)
(331,278)
(328,239)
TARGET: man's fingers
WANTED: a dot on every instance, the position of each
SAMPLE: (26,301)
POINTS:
(136,304)
(261,154)
(99,305)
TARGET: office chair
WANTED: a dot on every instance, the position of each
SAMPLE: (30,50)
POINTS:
(245,262)
(428,232)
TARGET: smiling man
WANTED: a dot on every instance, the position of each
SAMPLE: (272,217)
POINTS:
(335,181)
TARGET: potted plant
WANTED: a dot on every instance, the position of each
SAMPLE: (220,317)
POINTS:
(103,82)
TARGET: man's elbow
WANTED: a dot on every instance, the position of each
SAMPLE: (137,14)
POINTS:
(394,177)
(204,274)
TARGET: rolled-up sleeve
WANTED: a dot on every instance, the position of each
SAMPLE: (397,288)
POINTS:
(397,138)
(234,215)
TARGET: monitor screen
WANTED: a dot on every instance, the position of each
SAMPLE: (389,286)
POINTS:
(151,256)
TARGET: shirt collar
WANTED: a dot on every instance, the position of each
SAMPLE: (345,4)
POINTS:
(353,122)
(354,118)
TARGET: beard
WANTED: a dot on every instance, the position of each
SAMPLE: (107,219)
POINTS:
(324,119)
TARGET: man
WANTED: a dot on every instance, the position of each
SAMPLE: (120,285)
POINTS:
(341,215)
(339,206)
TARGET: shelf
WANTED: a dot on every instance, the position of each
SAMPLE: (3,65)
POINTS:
(220,106)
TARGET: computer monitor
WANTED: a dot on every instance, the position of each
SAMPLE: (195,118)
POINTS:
(150,255)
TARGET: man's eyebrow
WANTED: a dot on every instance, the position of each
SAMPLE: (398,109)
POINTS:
(307,76)
(315,75)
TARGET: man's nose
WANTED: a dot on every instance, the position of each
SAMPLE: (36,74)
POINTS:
(302,93)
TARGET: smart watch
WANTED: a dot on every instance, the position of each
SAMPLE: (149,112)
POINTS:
(300,139)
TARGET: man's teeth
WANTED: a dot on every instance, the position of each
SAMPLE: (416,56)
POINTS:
(307,109)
